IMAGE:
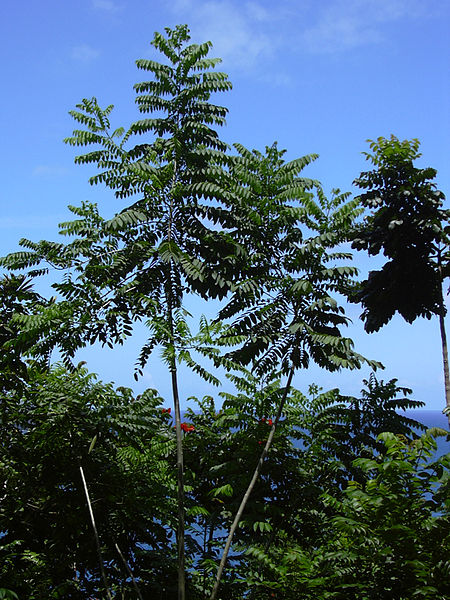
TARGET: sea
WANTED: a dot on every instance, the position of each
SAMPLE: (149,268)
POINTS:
(432,418)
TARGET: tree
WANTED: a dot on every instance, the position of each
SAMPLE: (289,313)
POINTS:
(293,556)
(410,227)
(141,263)
(284,310)
(281,308)
(127,448)
(394,529)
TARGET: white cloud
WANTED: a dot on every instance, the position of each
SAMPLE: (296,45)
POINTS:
(347,24)
(84,53)
(49,171)
(237,31)
(253,35)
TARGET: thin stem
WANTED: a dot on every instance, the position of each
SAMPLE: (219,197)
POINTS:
(252,484)
(444,342)
(176,403)
(445,362)
(180,461)
(180,487)
(129,571)
(205,550)
(97,539)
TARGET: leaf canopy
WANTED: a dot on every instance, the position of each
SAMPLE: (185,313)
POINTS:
(407,224)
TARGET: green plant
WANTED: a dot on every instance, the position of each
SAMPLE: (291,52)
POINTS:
(284,312)
(409,226)
(58,423)
(140,264)
(246,229)
(383,536)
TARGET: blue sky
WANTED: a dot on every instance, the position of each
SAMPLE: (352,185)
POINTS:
(317,76)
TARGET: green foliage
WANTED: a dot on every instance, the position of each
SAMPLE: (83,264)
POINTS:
(62,421)
(17,299)
(139,264)
(387,537)
(339,507)
(393,533)
(408,225)
(8,594)
(293,538)
(283,309)
(350,427)
(274,246)
(314,447)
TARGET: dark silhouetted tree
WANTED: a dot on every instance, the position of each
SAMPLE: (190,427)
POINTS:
(408,224)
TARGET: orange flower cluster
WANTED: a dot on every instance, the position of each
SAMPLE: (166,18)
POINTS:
(185,427)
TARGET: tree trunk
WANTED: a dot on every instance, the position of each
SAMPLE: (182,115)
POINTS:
(176,404)
(442,311)
(180,466)
(252,484)
(129,571)
(180,487)
(445,361)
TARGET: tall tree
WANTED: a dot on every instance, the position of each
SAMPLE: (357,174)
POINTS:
(283,312)
(410,227)
(141,263)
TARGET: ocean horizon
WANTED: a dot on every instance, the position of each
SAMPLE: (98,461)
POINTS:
(432,418)
(428,418)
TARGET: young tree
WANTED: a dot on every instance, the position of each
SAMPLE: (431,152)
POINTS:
(393,535)
(409,226)
(283,312)
(385,537)
(141,263)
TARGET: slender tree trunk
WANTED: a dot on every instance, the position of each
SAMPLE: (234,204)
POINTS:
(444,343)
(180,465)
(445,360)
(208,539)
(180,488)
(129,571)
(176,404)
(252,484)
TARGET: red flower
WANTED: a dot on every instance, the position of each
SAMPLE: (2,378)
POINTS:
(269,422)
(166,410)
(185,427)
